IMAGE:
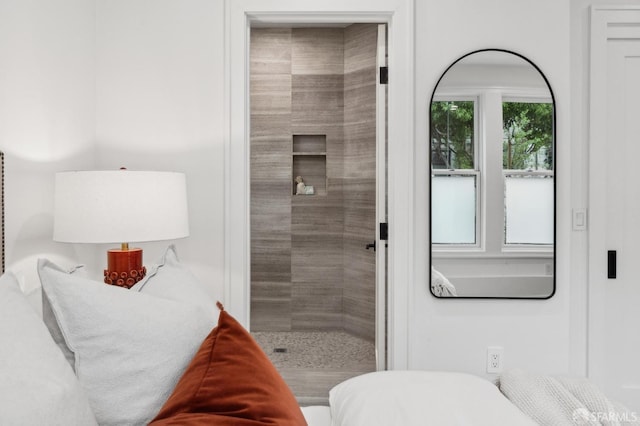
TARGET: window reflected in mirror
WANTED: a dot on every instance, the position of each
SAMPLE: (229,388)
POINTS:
(527,164)
(492,186)
(453,134)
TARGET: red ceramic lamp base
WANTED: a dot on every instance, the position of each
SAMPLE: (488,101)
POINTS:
(124,267)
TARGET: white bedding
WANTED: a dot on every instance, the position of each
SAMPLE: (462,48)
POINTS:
(416,398)
(37,385)
(563,401)
(317,415)
(408,398)
(440,285)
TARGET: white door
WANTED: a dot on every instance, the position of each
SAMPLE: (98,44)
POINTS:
(381,203)
(614,203)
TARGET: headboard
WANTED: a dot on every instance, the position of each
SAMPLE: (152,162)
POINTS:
(1,212)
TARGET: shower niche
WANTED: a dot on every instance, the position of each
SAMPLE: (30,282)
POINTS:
(309,160)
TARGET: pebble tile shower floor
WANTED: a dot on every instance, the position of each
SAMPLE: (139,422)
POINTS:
(314,361)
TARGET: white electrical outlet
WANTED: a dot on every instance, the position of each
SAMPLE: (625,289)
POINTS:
(495,359)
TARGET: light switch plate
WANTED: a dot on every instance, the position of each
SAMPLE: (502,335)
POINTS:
(579,219)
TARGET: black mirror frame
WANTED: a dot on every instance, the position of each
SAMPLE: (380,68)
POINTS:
(555,196)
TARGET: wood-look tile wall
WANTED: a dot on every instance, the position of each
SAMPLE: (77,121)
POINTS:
(309,268)
(359,185)
(270,89)
(317,222)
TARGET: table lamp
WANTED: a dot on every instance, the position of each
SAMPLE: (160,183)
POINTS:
(120,206)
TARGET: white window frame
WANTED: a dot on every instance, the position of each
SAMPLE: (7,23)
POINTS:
(531,249)
(478,166)
(483,240)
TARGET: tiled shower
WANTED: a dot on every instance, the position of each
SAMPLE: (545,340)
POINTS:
(313,114)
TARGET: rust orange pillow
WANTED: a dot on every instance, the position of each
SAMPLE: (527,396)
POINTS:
(230,381)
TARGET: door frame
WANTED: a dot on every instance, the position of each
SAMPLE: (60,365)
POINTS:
(381,201)
(398,16)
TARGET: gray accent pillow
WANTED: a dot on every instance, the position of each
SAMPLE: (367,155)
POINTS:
(169,279)
(130,348)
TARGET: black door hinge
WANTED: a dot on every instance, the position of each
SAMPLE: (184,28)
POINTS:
(612,272)
(384,75)
(384,231)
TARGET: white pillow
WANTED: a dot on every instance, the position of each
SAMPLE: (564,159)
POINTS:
(49,318)
(168,279)
(417,398)
(130,348)
(171,279)
(37,386)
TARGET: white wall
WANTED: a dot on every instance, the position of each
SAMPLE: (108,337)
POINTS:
(47,107)
(455,334)
(143,80)
(159,106)
(101,84)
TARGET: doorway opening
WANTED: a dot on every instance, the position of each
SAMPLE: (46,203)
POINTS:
(318,192)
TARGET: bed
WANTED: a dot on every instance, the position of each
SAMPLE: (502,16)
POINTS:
(162,353)
(407,398)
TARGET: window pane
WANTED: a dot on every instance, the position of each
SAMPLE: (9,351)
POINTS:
(453,209)
(528,136)
(529,209)
(452,139)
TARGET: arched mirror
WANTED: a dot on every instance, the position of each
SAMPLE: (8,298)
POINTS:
(492,185)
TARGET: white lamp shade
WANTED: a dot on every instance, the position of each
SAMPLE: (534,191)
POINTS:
(119,206)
